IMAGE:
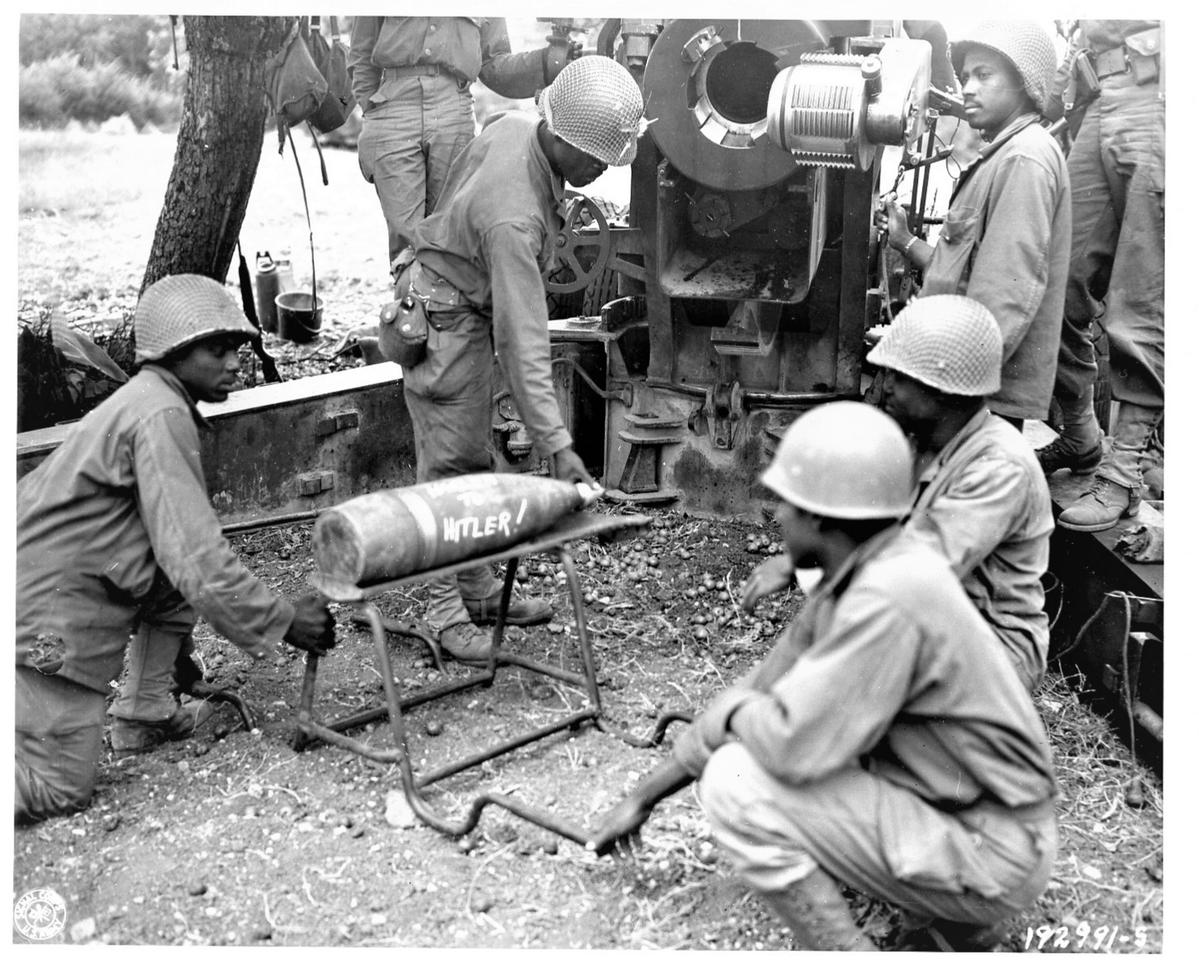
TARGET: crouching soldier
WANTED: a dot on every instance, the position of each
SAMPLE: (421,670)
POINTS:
(981,498)
(884,742)
(115,536)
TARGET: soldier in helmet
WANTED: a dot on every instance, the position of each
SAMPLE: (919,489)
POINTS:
(1006,237)
(981,499)
(115,536)
(884,742)
(475,287)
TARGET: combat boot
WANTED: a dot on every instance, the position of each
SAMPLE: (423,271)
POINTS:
(1101,506)
(1079,446)
(521,611)
(937,934)
(817,915)
(1061,453)
(131,736)
(466,643)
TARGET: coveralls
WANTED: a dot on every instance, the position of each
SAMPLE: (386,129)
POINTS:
(411,76)
(115,533)
(1006,243)
(1117,171)
(886,740)
(983,503)
(479,258)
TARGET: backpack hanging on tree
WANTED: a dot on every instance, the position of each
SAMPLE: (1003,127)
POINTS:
(331,60)
(295,86)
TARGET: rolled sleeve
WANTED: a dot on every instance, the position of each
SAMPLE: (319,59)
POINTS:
(520,323)
(187,539)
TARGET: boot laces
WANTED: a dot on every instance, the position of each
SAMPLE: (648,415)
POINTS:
(1106,492)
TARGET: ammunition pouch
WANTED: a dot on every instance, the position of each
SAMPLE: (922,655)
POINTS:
(1139,55)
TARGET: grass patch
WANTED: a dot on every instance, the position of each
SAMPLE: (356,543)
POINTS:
(57,171)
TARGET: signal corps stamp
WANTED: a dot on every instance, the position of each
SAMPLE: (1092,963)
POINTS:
(40,915)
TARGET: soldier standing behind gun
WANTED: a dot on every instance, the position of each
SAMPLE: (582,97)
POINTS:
(1006,237)
(1117,264)
(411,76)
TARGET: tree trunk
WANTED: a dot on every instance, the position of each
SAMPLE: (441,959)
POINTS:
(219,145)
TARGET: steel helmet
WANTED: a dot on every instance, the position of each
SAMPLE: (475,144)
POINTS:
(1023,42)
(845,460)
(950,343)
(595,105)
(178,310)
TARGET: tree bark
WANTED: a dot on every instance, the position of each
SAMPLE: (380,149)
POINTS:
(220,142)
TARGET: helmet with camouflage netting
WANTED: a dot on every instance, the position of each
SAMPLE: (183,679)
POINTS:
(1025,43)
(181,309)
(951,343)
(595,105)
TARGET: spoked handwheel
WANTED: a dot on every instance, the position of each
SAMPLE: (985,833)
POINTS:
(581,248)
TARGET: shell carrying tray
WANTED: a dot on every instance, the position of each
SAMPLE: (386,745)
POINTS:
(577,526)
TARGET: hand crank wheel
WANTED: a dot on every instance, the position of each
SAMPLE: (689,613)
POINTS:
(581,248)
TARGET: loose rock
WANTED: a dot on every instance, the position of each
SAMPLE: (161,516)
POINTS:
(399,813)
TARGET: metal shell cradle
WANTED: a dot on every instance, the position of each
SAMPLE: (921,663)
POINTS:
(574,525)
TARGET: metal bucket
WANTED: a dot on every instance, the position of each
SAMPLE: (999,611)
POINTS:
(298,320)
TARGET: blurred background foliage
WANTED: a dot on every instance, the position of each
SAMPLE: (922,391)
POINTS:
(89,68)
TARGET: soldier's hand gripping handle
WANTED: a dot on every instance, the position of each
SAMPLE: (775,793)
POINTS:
(568,466)
(312,627)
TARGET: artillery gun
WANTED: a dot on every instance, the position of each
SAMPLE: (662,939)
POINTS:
(745,267)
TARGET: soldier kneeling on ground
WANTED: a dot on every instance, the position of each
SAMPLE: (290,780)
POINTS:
(884,742)
(116,536)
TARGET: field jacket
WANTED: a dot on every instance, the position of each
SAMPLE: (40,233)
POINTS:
(118,512)
(983,503)
(490,236)
(889,666)
(1006,243)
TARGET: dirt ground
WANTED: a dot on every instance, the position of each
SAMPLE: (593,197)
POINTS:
(234,838)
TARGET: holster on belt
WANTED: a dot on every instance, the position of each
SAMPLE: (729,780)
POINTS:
(1082,87)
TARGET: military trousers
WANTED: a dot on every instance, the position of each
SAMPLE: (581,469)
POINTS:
(449,401)
(1117,253)
(406,146)
(59,735)
(977,866)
